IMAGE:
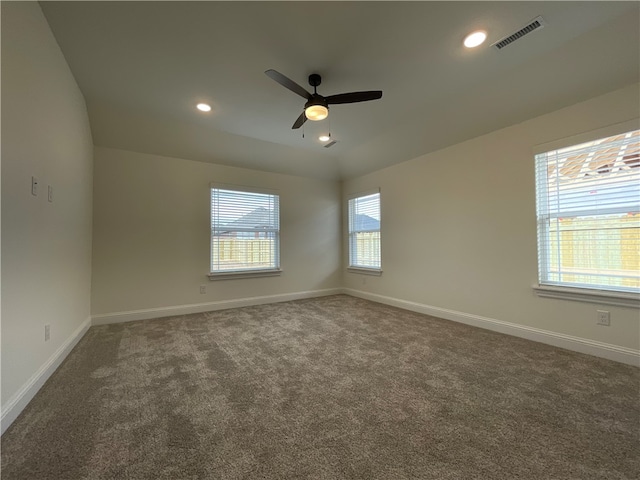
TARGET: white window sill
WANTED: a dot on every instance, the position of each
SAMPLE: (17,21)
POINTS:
(365,271)
(245,274)
(603,297)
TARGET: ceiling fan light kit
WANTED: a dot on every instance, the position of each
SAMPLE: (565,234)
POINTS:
(317,107)
(316,112)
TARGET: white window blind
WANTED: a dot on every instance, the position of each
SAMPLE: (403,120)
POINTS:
(364,231)
(245,231)
(588,209)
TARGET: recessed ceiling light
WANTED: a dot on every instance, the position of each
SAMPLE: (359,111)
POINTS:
(203,107)
(324,138)
(475,38)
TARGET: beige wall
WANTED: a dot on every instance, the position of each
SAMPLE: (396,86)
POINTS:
(46,247)
(152,233)
(459,227)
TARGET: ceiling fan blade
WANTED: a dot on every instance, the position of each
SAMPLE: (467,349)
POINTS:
(299,121)
(353,97)
(288,83)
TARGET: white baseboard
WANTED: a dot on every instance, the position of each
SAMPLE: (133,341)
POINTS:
(23,396)
(576,344)
(149,313)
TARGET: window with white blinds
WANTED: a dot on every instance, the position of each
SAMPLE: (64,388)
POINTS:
(364,231)
(588,209)
(245,231)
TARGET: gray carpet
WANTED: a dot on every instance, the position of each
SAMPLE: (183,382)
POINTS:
(328,388)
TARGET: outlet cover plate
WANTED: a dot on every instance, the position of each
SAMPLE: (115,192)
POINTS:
(604,318)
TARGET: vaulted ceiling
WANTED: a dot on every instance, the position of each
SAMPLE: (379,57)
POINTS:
(143,66)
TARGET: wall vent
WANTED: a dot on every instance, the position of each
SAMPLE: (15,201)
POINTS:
(330,144)
(536,24)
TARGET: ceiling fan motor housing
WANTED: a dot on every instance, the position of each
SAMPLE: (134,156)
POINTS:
(316,99)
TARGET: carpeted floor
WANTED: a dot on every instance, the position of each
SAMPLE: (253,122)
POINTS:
(328,388)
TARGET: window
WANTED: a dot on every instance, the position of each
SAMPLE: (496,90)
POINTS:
(364,231)
(245,232)
(588,209)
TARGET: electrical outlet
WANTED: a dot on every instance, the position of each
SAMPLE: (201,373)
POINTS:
(203,289)
(50,194)
(47,332)
(34,186)
(603,318)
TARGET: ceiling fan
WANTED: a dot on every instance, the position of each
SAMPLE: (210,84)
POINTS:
(317,106)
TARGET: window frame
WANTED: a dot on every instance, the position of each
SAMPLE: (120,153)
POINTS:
(275,270)
(596,294)
(352,267)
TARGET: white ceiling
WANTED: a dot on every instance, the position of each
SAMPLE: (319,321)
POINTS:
(142,67)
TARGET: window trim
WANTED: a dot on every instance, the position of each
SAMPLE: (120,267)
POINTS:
(359,269)
(589,295)
(365,271)
(603,297)
(590,136)
(246,273)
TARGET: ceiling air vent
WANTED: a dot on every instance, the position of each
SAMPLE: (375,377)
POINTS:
(536,24)
(330,144)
